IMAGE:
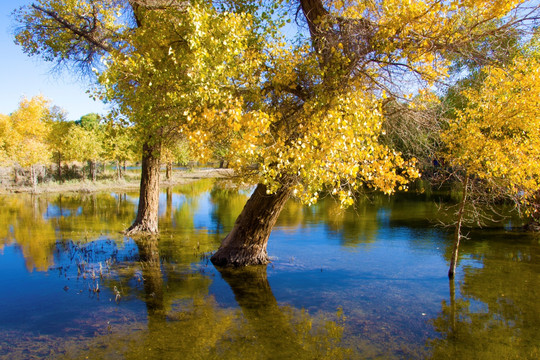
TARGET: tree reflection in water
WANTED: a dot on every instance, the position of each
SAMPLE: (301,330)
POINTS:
(496,314)
(187,323)
(388,286)
(280,332)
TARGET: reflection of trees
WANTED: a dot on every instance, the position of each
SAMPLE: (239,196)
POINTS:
(180,239)
(357,225)
(228,203)
(185,323)
(498,313)
(36,223)
(278,332)
(292,215)
(196,188)
(151,273)
(22,223)
(412,211)
(92,215)
(163,278)
(352,226)
(182,202)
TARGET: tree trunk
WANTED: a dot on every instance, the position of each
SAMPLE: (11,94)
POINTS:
(168,171)
(147,214)
(59,164)
(93,169)
(118,171)
(33,175)
(246,243)
(457,234)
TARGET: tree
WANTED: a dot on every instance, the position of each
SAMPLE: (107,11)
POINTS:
(77,35)
(57,139)
(183,66)
(160,58)
(322,102)
(299,119)
(5,139)
(175,152)
(89,121)
(119,144)
(86,145)
(29,133)
(493,141)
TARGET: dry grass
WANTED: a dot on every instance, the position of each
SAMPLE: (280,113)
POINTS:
(128,183)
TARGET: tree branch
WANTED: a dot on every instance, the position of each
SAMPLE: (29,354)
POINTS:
(87,35)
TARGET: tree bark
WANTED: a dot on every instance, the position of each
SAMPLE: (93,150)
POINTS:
(34,177)
(246,243)
(457,234)
(93,169)
(118,171)
(147,214)
(168,171)
(59,164)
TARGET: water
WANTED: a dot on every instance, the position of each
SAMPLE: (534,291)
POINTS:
(367,283)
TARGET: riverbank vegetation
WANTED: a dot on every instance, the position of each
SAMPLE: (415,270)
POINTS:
(360,96)
(40,149)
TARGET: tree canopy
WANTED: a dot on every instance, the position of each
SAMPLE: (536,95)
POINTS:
(494,137)
(297,115)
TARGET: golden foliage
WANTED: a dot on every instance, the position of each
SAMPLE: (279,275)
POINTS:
(495,137)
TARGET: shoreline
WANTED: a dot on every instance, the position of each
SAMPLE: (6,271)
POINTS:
(179,177)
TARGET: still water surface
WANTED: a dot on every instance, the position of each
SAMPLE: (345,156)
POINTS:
(367,283)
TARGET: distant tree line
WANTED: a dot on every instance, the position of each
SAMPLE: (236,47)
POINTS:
(39,143)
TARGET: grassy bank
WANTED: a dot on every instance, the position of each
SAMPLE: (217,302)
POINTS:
(130,181)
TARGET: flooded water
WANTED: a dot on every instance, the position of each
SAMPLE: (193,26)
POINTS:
(367,283)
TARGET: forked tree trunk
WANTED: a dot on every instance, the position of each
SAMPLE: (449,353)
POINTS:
(246,243)
(147,214)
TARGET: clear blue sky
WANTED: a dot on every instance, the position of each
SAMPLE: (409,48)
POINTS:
(21,75)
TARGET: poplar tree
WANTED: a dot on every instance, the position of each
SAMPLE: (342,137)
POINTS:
(298,118)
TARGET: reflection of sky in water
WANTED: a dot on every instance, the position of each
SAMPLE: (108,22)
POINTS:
(176,201)
(203,212)
(388,277)
(55,211)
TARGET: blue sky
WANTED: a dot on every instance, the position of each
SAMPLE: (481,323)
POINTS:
(21,75)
